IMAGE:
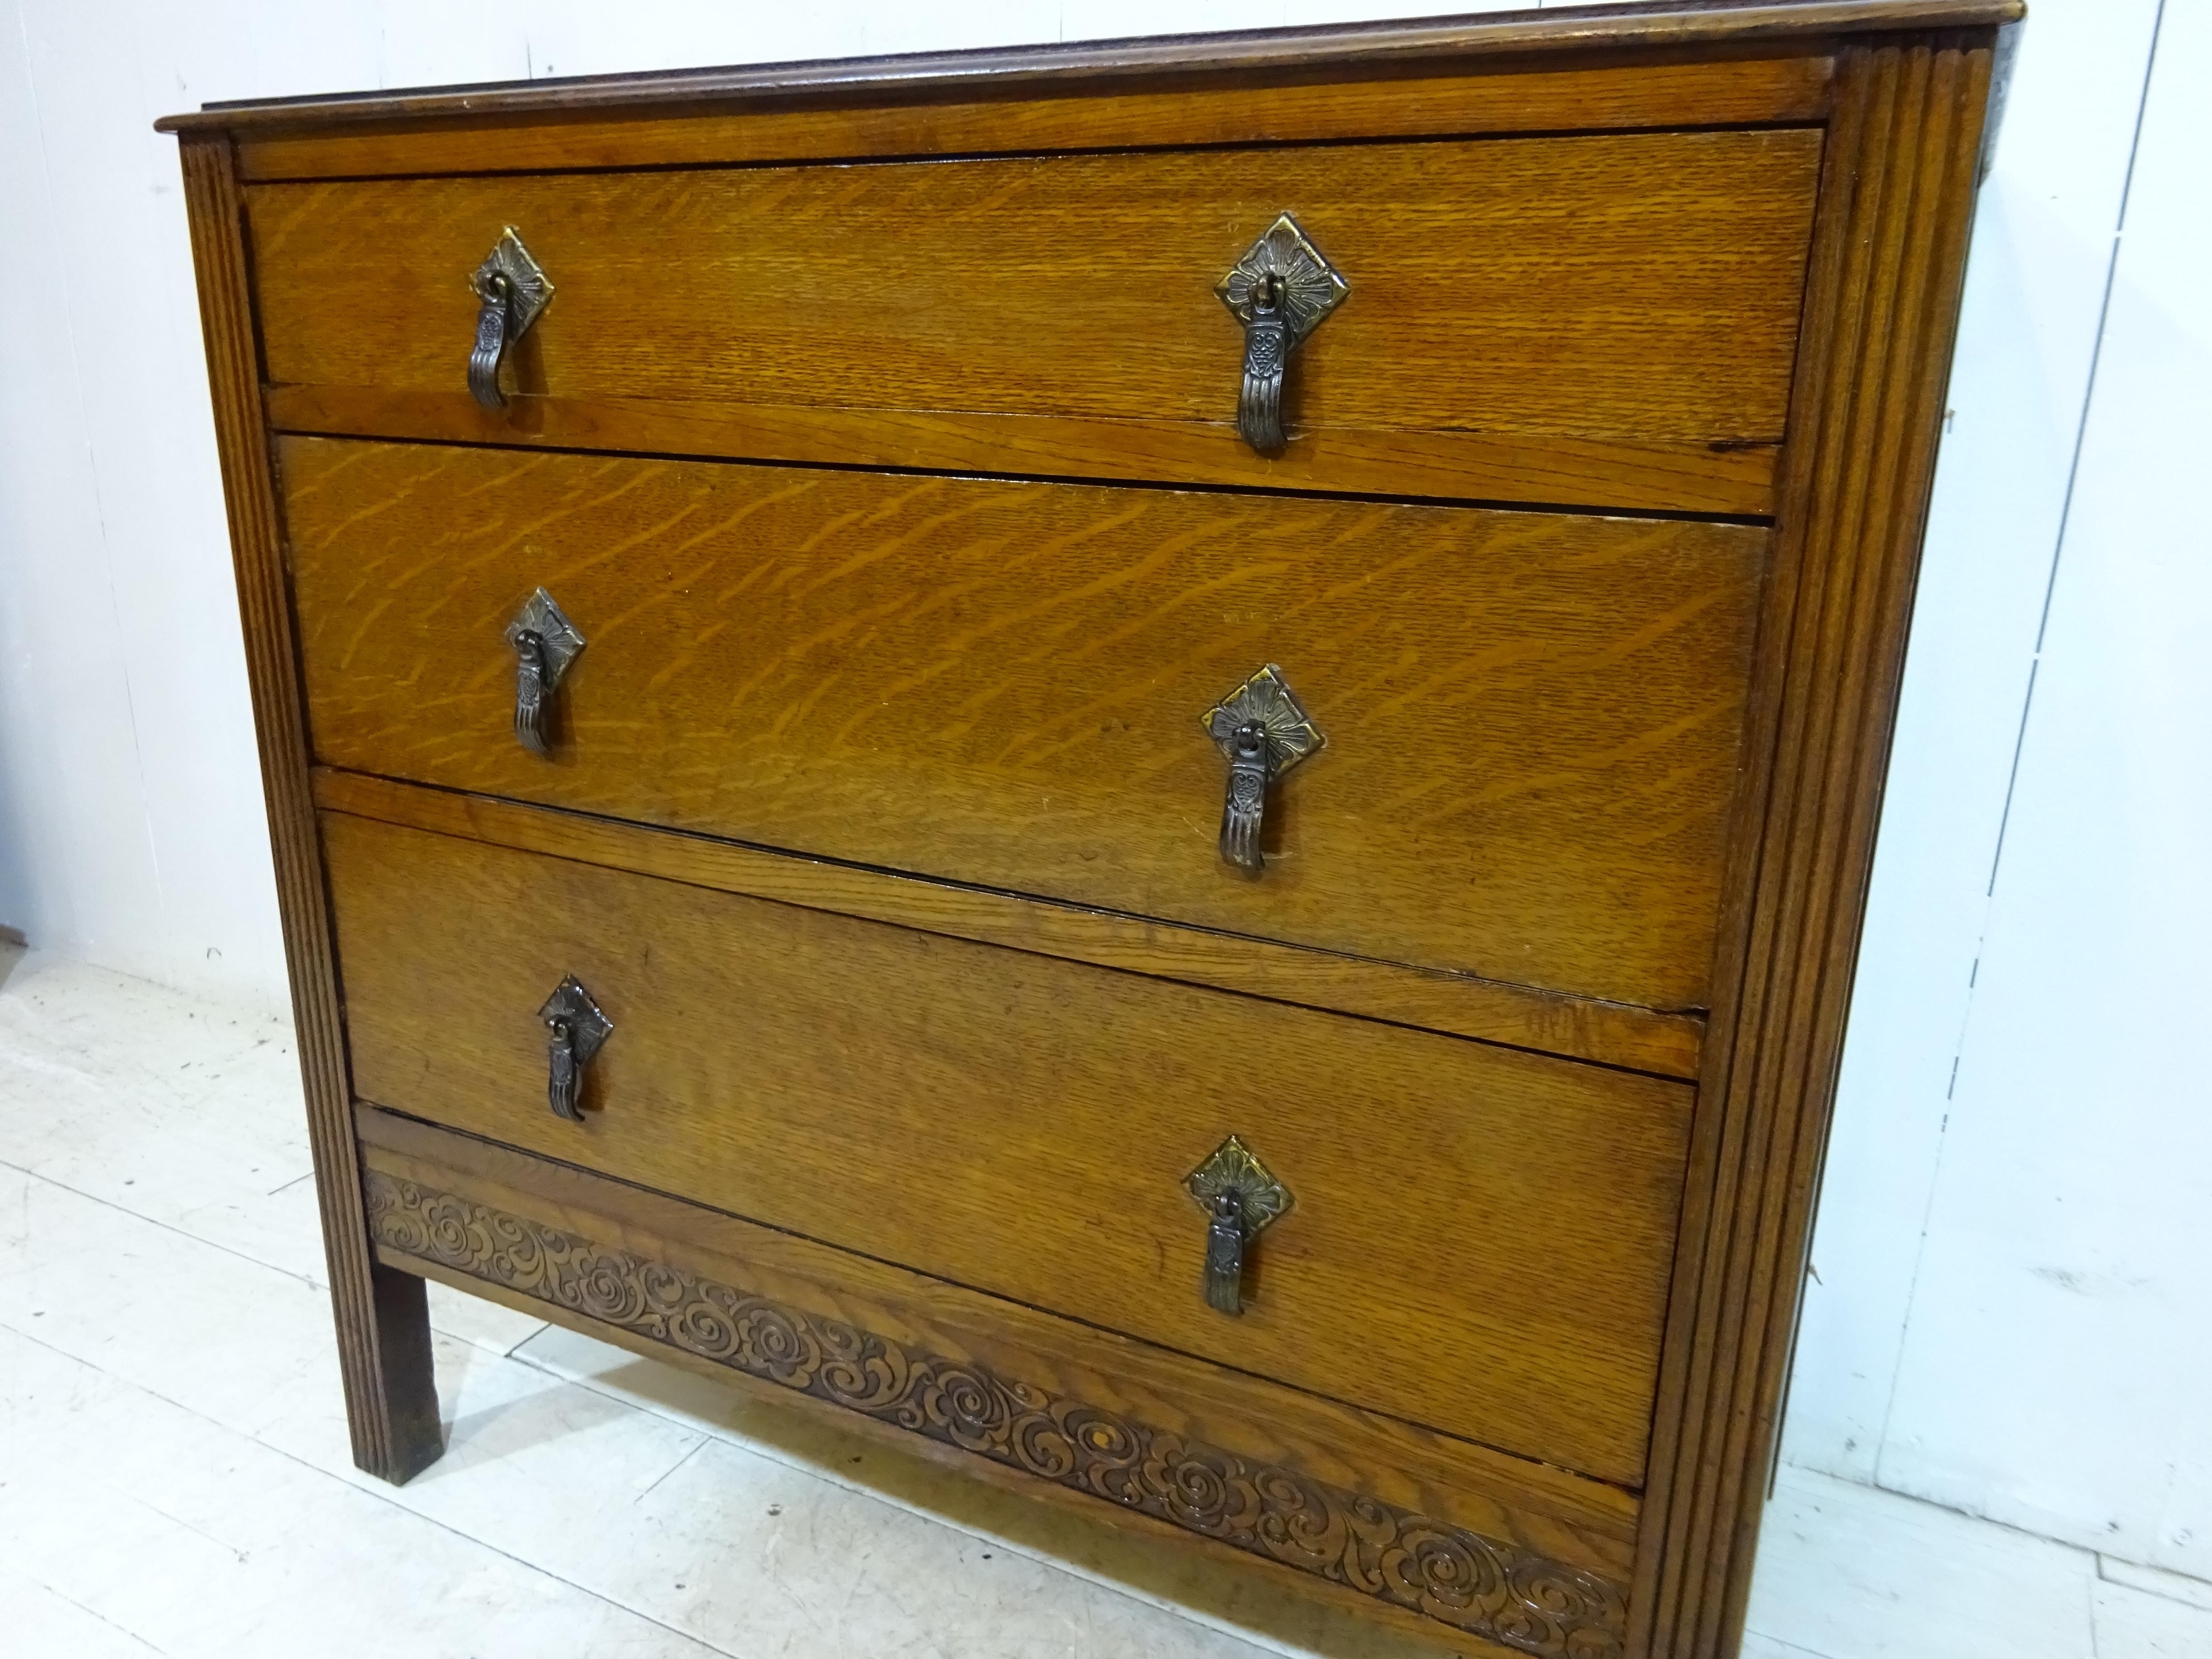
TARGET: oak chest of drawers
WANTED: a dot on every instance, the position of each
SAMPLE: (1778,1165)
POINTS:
(1151,764)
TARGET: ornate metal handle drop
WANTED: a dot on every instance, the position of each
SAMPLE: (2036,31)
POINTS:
(545,642)
(1263,731)
(1241,1200)
(530,691)
(510,289)
(1279,291)
(494,320)
(1244,808)
(564,1076)
(1266,351)
(575,1029)
(1225,1255)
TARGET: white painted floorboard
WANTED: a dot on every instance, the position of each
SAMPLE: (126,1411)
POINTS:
(174,1478)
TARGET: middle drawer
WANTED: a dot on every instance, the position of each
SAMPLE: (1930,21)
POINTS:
(1531,719)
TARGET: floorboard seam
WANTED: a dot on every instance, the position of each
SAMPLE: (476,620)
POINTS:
(98,1617)
(364,1486)
(312,1282)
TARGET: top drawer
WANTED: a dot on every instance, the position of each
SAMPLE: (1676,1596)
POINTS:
(1606,321)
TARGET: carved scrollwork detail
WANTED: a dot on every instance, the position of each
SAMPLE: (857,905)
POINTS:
(1484,1586)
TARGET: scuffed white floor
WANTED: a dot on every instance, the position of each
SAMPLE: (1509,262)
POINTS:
(174,1479)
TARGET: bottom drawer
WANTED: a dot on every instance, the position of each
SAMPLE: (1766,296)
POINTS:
(1479,1240)
(1475,1554)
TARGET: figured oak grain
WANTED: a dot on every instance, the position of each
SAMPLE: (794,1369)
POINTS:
(1543,1510)
(1538,467)
(1902,115)
(1459,1005)
(1480,1238)
(1238,109)
(1635,292)
(1533,719)
(1503,42)
(1410,1561)
(1897,207)
(383,1321)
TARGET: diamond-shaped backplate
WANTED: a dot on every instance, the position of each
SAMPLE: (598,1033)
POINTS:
(1309,285)
(526,281)
(1231,1167)
(587,1027)
(1291,734)
(541,616)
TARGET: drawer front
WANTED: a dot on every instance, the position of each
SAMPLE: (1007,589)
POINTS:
(1479,1239)
(1531,720)
(1602,320)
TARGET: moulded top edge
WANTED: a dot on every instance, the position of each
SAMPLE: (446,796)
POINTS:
(1009,69)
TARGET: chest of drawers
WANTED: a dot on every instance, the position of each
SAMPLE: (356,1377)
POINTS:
(1149,765)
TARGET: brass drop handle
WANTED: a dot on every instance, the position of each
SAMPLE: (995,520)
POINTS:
(1268,346)
(494,320)
(575,1029)
(545,642)
(1241,1200)
(564,1075)
(1279,291)
(1263,731)
(530,691)
(1225,1255)
(510,289)
(1244,806)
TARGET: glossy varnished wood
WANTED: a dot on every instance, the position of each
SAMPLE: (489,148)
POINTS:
(1585,1524)
(1458,1004)
(1479,1240)
(1606,321)
(1890,94)
(1238,109)
(1543,468)
(1897,206)
(383,1322)
(1496,43)
(1533,719)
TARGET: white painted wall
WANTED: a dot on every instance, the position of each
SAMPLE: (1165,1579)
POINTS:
(2007,1317)
(2011,1315)
(2044,241)
(2056,1367)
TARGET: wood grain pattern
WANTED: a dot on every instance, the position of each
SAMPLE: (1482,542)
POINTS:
(1458,1004)
(1896,213)
(1542,1510)
(1499,41)
(1528,466)
(1481,1239)
(1575,1331)
(383,1323)
(1638,292)
(1547,1509)
(1232,110)
(1533,719)
(1479,1585)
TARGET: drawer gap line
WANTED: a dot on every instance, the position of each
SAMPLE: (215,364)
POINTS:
(908,158)
(1483,503)
(332,802)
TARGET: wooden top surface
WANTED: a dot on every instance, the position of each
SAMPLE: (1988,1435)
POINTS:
(1011,70)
